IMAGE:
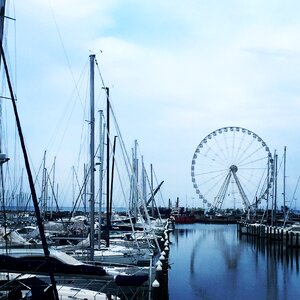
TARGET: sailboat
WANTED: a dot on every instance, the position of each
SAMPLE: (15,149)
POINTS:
(18,286)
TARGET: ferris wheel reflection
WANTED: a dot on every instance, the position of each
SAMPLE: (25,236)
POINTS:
(221,267)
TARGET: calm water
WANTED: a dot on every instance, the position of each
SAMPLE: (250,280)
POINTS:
(211,262)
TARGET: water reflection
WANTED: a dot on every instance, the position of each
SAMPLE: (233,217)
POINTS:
(212,262)
(230,250)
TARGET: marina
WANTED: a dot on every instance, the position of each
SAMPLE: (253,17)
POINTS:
(91,253)
(242,260)
(114,271)
(83,214)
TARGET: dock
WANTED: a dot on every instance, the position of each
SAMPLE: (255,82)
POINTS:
(271,234)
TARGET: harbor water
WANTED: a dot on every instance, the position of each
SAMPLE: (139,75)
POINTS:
(212,262)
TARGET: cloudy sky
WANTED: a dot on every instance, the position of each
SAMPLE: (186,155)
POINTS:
(177,70)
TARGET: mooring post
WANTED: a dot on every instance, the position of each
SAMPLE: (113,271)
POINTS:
(292,243)
(286,239)
(156,290)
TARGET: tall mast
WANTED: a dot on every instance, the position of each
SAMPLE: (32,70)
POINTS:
(284,197)
(2,14)
(92,153)
(3,157)
(30,179)
(73,191)
(144,183)
(53,189)
(268,179)
(107,167)
(274,198)
(101,156)
(135,181)
(152,202)
(84,189)
(44,184)
(112,176)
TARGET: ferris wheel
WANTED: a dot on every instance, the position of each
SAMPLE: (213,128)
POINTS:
(232,167)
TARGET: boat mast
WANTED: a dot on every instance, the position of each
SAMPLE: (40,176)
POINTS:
(112,176)
(92,155)
(144,183)
(3,158)
(30,178)
(107,167)
(274,198)
(44,184)
(54,196)
(135,181)
(152,202)
(73,191)
(268,179)
(101,152)
(84,189)
(2,10)
(284,197)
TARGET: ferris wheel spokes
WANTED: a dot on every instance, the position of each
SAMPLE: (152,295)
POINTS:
(222,192)
(232,157)
(246,202)
(244,158)
(219,199)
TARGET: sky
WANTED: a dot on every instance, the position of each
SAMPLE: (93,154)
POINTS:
(176,70)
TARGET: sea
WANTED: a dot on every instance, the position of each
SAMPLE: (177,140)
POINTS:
(213,262)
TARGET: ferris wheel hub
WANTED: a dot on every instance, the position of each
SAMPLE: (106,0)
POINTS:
(233,168)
